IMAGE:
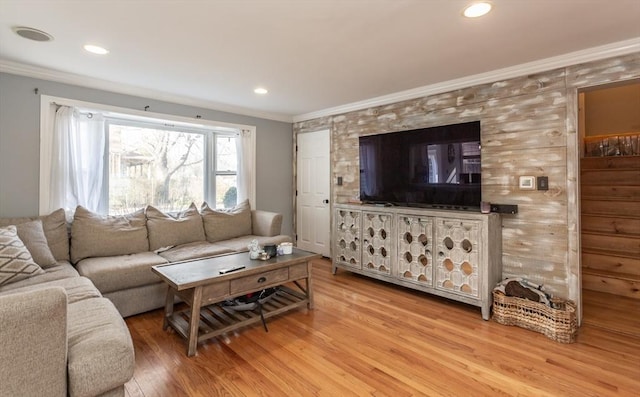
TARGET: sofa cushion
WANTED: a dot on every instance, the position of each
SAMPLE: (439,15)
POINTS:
(137,300)
(166,230)
(15,260)
(60,271)
(77,288)
(114,273)
(100,352)
(225,224)
(55,229)
(32,235)
(94,235)
(57,232)
(198,249)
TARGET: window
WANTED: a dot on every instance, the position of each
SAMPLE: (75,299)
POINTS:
(226,172)
(160,167)
(151,161)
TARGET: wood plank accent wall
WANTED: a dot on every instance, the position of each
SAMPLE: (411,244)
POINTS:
(529,127)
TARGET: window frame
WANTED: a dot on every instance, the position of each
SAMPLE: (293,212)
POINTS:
(209,154)
(209,128)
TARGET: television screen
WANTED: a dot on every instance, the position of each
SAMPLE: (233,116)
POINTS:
(430,167)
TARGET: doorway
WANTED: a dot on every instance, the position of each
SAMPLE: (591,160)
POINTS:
(313,208)
(609,130)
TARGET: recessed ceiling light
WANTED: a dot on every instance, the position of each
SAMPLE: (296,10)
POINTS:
(476,10)
(260,91)
(32,34)
(94,49)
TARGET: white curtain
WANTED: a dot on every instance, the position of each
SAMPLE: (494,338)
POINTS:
(77,159)
(244,152)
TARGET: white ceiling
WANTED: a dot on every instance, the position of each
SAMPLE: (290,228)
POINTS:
(312,55)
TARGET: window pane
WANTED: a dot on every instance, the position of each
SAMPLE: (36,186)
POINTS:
(157,167)
(226,159)
(226,191)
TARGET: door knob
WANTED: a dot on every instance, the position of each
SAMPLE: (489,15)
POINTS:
(326,201)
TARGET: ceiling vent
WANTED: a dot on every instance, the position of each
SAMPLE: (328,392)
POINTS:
(32,34)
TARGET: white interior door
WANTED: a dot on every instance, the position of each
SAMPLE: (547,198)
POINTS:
(313,214)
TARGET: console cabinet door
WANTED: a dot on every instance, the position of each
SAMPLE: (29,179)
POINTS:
(377,238)
(348,238)
(458,249)
(415,249)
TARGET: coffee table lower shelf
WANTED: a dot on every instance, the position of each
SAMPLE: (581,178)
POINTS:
(218,319)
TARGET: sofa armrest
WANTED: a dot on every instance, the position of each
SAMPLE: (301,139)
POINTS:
(33,343)
(265,223)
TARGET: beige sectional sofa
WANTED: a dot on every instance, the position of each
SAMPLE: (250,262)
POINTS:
(86,276)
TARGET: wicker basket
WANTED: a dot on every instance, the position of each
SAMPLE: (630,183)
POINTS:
(559,324)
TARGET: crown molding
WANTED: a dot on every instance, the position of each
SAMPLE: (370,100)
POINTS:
(119,88)
(588,55)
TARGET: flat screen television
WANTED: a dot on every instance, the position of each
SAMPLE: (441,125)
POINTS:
(437,167)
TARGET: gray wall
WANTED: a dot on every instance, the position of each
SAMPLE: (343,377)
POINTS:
(20,147)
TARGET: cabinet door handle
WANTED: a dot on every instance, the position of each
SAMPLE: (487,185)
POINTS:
(262,280)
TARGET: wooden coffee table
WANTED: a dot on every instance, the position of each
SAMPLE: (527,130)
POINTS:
(200,284)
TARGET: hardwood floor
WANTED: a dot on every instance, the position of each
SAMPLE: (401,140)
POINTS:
(615,313)
(365,337)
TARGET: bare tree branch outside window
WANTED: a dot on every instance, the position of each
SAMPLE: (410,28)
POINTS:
(158,167)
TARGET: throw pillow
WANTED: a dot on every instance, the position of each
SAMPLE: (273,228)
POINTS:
(225,224)
(15,260)
(166,230)
(95,235)
(32,235)
(55,230)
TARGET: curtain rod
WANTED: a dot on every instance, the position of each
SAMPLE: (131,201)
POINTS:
(172,118)
(164,123)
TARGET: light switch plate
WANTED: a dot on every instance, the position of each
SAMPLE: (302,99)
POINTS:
(543,183)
